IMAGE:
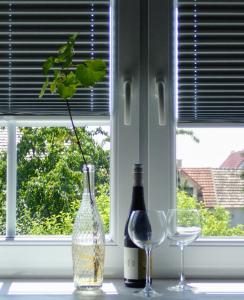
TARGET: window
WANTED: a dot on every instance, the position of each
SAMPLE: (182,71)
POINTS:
(49,180)
(210,92)
(137,132)
(143,39)
(212,166)
(210,98)
(32,31)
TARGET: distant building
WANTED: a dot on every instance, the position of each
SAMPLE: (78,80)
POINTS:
(216,187)
(4,137)
(234,161)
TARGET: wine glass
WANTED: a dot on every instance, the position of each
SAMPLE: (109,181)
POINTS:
(183,227)
(147,230)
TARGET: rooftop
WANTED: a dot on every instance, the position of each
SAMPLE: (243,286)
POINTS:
(234,161)
(223,187)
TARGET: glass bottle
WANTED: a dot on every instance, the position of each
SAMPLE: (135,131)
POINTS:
(134,257)
(88,239)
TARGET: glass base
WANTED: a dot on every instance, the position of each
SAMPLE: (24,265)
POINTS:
(89,290)
(181,288)
(147,293)
(88,287)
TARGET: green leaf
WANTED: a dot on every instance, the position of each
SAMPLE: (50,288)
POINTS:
(66,81)
(66,52)
(70,79)
(44,87)
(48,64)
(68,60)
(57,74)
(53,86)
(90,72)
(62,49)
(96,65)
(59,59)
(66,92)
(73,38)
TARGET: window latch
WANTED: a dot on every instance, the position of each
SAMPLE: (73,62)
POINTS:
(160,96)
(127,102)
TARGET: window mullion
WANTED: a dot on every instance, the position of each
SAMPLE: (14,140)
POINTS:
(11,181)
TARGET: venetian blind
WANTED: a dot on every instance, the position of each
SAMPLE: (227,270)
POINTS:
(210,61)
(32,30)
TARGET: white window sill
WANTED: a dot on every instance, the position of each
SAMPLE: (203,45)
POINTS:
(114,289)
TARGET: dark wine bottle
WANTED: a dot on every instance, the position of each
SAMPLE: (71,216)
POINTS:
(134,257)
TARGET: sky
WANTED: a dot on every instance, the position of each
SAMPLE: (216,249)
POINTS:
(214,147)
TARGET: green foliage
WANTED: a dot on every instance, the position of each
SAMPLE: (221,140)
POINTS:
(3,168)
(215,221)
(64,77)
(103,204)
(188,132)
(50,181)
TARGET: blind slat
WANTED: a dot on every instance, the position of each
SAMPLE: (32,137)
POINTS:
(210,61)
(33,30)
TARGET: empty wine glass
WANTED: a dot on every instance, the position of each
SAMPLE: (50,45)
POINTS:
(147,229)
(183,227)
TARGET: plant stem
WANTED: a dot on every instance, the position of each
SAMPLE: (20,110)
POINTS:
(95,262)
(80,147)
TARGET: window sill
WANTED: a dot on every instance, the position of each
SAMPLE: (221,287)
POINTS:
(114,289)
(44,241)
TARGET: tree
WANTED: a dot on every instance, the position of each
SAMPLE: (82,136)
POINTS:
(3,168)
(215,221)
(50,181)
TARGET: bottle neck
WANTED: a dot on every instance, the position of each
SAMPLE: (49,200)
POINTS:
(89,179)
(138,192)
(138,202)
(137,179)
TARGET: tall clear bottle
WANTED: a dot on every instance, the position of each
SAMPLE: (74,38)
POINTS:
(88,239)
(134,257)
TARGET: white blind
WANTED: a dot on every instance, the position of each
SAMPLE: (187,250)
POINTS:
(210,61)
(33,30)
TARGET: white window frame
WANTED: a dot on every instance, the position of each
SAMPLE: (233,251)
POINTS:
(49,256)
(207,257)
(144,140)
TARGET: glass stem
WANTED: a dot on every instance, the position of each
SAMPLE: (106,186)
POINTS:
(148,270)
(182,275)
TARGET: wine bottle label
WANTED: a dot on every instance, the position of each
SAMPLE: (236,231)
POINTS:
(134,263)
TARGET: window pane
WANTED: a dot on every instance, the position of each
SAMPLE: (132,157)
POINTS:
(50,181)
(210,169)
(3,168)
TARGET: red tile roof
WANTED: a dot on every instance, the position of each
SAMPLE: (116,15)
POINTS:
(234,160)
(204,178)
(229,187)
(223,187)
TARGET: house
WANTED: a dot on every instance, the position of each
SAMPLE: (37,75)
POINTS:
(234,161)
(216,187)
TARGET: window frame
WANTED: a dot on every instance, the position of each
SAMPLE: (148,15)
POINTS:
(208,257)
(53,263)
(13,245)
(145,140)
